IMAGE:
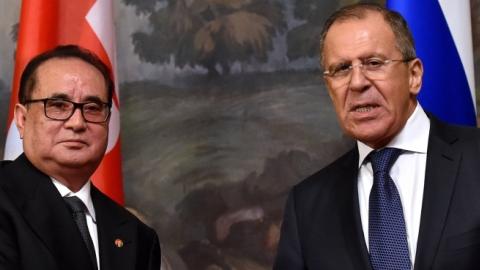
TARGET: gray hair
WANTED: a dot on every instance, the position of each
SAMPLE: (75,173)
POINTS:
(403,36)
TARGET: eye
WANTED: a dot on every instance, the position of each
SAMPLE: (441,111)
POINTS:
(58,104)
(93,107)
(340,69)
(373,63)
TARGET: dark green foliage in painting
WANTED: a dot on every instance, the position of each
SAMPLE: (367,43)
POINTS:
(142,6)
(208,33)
(3,86)
(303,40)
(14,32)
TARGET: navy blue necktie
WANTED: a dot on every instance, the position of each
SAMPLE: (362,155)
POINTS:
(386,227)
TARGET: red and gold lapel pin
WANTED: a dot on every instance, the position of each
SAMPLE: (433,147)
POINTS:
(118,243)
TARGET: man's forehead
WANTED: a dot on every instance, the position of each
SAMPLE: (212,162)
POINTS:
(356,34)
(55,74)
(359,19)
(59,64)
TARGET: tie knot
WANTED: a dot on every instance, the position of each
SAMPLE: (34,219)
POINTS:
(382,160)
(75,204)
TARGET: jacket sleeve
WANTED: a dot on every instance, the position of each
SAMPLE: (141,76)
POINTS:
(154,253)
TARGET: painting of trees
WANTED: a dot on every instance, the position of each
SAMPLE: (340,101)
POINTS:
(212,34)
(302,40)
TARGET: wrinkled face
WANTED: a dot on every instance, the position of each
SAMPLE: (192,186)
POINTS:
(53,145)
(371,110)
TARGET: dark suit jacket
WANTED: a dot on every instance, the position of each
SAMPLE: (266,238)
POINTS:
(38,232)
(322,226)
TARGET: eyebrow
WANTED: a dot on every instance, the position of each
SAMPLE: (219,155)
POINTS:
(374,55)
(361,58)
(86,99)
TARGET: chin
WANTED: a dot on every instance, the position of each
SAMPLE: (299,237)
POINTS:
(375,141)
(75,161)
(369,135)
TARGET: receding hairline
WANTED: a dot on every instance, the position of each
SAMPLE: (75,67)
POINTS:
(34,76)
(28,80)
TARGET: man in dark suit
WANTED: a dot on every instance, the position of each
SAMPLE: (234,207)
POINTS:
(406,196)
(51,215)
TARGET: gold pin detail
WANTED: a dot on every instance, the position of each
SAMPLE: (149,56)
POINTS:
(118,243)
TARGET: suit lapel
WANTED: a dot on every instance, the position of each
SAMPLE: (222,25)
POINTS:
(45,212)
(350,213)
(443,161)
(116,234)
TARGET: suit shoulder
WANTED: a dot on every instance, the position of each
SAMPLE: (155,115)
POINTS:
(455,133)
(4,163)
(115,211)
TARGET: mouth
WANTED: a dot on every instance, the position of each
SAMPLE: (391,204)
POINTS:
(74,143)
(364,108)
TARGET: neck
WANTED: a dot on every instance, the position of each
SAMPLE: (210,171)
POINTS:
(71,176)
(74,178)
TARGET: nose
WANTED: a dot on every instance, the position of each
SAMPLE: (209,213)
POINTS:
(358,80)
(76,121)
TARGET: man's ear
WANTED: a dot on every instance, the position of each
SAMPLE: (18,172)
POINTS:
(20,118)
(415,69)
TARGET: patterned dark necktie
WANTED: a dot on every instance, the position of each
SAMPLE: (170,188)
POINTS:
(386,227)
(78,208)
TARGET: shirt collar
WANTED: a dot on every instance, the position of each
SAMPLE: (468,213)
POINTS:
(83,194)
(413,137)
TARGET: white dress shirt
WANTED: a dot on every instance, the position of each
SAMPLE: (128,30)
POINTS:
(84,195)
(408,174)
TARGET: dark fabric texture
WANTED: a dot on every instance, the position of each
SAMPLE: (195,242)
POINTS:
(78,209)
(37,231)
(322,228)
